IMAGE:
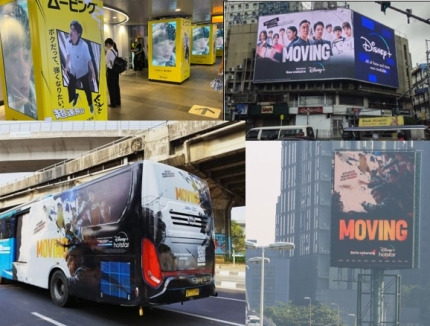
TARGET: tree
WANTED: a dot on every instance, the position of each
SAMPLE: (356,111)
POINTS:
(417,297)
(237,237)
(292,315)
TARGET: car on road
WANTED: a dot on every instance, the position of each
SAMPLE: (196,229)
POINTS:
(253,320)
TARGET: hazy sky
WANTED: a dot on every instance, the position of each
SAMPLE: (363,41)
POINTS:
(416,31)
(263,170)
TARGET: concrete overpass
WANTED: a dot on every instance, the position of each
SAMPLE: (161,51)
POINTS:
(30,146)
(213,150)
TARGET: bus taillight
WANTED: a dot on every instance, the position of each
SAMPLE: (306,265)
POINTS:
(150,264)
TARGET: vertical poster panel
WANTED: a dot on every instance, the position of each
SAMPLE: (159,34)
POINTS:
(203,44)
(221,246)
(373,212)
(184,51)
(168,47)
(70,70)
(18,77)
(219,42)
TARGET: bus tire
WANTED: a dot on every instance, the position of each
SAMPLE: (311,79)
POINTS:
(59,289)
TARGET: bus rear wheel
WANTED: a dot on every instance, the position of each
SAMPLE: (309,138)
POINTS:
(59,289)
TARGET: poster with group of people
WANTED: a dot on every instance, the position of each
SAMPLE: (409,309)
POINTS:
(373,211)
(325,44)
(56,72)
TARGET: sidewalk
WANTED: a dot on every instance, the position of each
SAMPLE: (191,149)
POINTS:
(229,276)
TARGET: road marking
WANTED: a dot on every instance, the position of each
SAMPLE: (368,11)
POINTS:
(50,320)
(203,317)
(231,299)
(228,284)
(205,111)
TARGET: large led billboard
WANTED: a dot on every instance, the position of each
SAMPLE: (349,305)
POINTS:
(373,211)
(324,44)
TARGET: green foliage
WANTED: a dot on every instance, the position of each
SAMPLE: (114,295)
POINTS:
(237,237)
(416,296)
(292,315)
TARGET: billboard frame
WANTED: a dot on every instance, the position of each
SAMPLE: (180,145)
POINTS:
(349,248)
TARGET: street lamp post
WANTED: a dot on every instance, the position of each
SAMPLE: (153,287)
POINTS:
(310,310)
(338,316)
(274,246)
(355,319)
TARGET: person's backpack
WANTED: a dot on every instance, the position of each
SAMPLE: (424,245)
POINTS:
(119,64)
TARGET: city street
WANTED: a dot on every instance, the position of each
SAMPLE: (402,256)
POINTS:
(26,305)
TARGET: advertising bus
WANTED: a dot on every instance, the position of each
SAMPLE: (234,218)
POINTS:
(405,132)
(138,236)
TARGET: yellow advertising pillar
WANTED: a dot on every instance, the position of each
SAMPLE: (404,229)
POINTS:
(219,42)
(203,44)
(169,50)
(54,69)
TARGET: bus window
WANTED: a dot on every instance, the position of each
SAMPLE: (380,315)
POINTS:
(286,133)
(269,134)
(252,134)
(101,202)
(310,132)
(7,228)
(406,132)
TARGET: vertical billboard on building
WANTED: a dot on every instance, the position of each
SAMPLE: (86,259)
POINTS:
(373,211)
(203,44)
(53,60)
(169,50)
(324,44)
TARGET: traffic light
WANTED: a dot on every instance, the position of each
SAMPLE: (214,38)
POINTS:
(408,13)
(385,5)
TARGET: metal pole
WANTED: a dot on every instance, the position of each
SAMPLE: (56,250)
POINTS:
(234,258)
(338,316)
(377,298)
(428,78)
(262,288)
(310,309)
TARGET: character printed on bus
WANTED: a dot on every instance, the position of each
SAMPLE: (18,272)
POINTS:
(84,267)
(60,218)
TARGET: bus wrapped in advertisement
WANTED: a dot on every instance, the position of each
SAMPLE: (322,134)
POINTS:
(141,235)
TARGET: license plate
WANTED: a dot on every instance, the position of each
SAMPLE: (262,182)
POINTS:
(191,292)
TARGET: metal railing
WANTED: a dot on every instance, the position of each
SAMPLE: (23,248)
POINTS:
(16,127)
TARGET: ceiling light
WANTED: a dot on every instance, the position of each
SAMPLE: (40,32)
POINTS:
(123,16)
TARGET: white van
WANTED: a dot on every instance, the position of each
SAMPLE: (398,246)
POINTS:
(281,133)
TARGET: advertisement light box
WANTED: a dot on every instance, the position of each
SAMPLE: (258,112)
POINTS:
(322,45)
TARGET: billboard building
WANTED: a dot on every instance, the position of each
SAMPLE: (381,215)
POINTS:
(324,68)
(328,207)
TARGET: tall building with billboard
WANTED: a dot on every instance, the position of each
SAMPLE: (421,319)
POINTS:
(336,67)
(322,268)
